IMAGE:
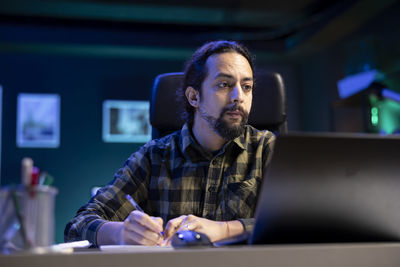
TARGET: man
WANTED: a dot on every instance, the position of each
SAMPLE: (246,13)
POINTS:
(204,177)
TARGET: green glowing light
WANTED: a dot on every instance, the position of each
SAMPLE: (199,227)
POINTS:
(389,114)
(374,120)
(374,116)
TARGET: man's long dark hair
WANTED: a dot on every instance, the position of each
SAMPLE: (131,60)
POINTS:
(196,71)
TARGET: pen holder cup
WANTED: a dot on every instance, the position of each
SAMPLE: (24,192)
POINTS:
(27,218)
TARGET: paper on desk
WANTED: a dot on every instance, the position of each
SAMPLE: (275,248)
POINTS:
(134,248)
(61,248)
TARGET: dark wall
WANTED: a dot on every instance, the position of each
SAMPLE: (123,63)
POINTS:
(319,74)
(83,160)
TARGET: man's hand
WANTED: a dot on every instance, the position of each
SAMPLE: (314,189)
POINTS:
(215,230)
(141,229)
(138,229)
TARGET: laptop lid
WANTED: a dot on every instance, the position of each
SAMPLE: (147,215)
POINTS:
(330,188)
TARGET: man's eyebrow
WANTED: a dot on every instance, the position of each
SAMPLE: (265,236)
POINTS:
(223,75)
(228,76)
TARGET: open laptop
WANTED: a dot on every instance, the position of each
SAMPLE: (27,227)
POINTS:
(330,188)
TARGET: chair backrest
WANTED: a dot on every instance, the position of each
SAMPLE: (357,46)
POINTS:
(268,109)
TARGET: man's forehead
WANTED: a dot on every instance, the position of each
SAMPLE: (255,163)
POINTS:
(224,75)
(225,64)
(223,58)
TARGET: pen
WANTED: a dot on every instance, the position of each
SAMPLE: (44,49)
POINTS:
(26,171)
(136,206)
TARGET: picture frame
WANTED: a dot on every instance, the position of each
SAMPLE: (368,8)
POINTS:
(1,122)
(38,120)
(126,121)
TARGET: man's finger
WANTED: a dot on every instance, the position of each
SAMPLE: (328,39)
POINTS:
(158,220)
(142,231)
(136,238)
(145,220)
(173,225)
(189,224)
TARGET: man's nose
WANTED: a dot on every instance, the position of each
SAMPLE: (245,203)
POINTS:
(237,94)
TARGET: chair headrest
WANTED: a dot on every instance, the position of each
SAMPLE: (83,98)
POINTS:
(165,111)
(269,100)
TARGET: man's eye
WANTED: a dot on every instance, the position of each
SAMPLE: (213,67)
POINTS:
(223,85)
(247,87)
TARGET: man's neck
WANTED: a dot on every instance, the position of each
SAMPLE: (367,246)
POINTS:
(206,136)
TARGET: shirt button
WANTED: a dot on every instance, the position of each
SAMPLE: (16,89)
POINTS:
(214,162)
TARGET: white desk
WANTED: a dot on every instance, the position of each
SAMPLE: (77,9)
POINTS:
(365,255)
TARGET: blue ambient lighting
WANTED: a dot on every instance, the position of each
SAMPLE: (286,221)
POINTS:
(355,83)
(386,93)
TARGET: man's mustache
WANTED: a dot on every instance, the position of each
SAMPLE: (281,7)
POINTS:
(235,107)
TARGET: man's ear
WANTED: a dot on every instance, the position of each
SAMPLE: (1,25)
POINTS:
(192,96)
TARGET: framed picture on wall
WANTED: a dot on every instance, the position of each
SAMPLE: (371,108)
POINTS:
(126,121)
(38,120)
(1,122)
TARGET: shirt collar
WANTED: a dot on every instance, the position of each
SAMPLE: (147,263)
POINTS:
(240,141)
(187,139)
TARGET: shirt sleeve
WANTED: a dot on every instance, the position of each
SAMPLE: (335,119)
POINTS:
(248,224)
(268,151)
(110,203)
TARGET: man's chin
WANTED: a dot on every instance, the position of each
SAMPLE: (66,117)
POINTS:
(230,130)
(233,121)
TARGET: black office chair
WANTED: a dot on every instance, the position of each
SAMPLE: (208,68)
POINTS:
(268,109)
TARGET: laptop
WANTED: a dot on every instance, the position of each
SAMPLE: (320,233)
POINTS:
(330,188)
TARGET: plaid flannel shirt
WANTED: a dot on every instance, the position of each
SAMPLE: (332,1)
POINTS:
(173,176)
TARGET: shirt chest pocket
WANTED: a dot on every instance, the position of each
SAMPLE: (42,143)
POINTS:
(241,197)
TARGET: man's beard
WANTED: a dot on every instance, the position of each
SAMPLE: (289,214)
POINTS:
(222,127)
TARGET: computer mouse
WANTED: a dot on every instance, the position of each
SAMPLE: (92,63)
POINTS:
(188,239)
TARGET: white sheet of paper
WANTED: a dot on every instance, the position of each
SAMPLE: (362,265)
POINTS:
(134,248)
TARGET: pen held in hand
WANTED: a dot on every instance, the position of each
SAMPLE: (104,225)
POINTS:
(134,204)
(137,207)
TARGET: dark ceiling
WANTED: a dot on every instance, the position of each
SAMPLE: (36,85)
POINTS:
(279,26)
